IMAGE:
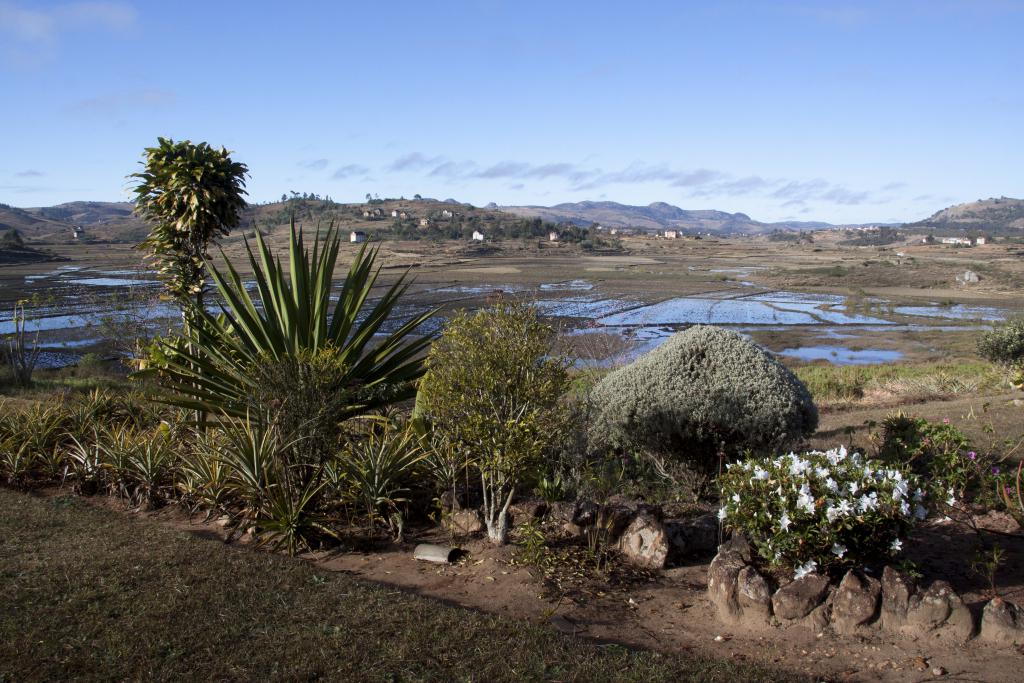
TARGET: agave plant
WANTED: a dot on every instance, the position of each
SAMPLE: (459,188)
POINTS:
(292,317)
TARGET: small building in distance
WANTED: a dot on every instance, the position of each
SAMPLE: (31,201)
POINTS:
(447,214)
(478,236)
(424,222)
(553,236)
(957,241)
(373,213)
(980,241)
(77,232)
(357,236)
(672,234)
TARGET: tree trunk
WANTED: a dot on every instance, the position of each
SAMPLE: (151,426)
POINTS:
(496,504)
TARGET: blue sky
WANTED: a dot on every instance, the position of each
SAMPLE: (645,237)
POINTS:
(837,111)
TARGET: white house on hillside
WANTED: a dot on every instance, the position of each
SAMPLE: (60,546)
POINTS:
(671,234)
(478,236)
(552,236)
(357,236)
(961,241)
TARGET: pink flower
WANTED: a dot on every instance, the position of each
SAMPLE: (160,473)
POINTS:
(972,455)
(945,420)
(995,470)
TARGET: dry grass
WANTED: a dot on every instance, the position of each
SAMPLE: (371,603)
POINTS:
(91,594)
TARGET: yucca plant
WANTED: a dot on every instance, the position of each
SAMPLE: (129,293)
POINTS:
(85,464)
(117,446)
(202,478)
(17,462)
(150,465)
(289,517)
(290,319)
(379,470)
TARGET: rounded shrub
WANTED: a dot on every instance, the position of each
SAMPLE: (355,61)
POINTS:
(704,386)
(1003,344)
(821,511)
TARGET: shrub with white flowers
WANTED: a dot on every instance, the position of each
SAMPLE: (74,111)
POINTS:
(821,510)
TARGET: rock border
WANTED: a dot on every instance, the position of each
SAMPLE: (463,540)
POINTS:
(860,604)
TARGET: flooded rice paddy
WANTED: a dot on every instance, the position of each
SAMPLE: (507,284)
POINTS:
(74,305)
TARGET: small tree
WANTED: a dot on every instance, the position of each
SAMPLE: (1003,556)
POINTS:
(492,391)
(192,193)
(1004,345)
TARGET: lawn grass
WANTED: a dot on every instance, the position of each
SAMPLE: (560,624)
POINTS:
(92,594)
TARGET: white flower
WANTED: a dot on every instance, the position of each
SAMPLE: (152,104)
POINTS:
(759,475)
(868,502)
(735,497)
(722,513)
(854,487)
(831,485)
(897,545)
(920,512)
(821,472)
(836,456)
(805,500)
(900,490)
(838,549)
(805,569)
(905,508)
(951,499)
(784,522)
(845,507)
(831,512)
(798,465)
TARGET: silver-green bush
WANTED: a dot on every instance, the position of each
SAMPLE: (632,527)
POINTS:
(702,387)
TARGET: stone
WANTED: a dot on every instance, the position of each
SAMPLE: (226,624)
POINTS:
(645,543)
(1002,622)
(797,599)
(939,609)
(561,511)
(856,602)
(723,576)
(739,545)
(896,591)
(968,277)
(997,520)
(524,510)
(465,522)
(753,597)
(693,536)
(585,513)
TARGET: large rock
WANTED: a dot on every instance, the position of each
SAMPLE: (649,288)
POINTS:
(997,520)
(645,543)
(897,588)
(524,510)
(856,602)
(1002,622)
(940,610)
(797,599)
(753,597)
(465,522)
(723,576)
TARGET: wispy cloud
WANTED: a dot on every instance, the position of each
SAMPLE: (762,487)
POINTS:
(33,34)
(698,182)
(349,171)
(111,103)
(314,164)
(29,173)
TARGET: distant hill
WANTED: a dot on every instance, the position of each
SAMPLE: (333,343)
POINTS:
(657,216)
(998,216)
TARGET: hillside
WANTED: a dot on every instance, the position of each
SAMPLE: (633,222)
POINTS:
(412,219)
(656,216)
(999,216)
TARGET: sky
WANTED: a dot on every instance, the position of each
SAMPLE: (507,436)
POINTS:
(846,112)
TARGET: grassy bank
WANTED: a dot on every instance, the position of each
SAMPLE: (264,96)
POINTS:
(836,385)
(92,594)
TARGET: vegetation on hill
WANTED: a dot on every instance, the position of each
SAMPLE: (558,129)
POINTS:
(996,216)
